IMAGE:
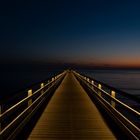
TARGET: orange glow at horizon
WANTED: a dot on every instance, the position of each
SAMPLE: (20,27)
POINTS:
(111,62)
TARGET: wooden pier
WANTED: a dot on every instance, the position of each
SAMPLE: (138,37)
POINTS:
(71,106)
(71,114)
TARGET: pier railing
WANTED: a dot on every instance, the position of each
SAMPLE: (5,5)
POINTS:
(119,107)
(13,119)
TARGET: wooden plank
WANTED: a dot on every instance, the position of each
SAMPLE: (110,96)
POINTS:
(71,115)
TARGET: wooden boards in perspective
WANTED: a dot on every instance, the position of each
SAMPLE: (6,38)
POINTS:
(71,114)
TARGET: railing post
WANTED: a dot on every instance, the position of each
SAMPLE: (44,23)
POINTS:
(88,81)
(29,94)
(92,86)
(113,95)
(0,114)
(52,79)
(42,86)
(48,83)
(100,87)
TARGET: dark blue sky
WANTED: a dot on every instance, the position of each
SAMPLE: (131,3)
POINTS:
(92,32)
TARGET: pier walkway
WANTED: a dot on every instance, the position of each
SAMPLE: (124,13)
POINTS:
(70,105)
(71,114)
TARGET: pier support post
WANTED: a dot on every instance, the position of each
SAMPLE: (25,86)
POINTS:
(100,87)
(42,86)
(113,95)
(29,94)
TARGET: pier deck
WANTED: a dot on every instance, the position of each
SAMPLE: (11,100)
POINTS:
(71,114)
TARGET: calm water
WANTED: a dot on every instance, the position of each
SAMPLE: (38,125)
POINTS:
(126,80)
(18,77)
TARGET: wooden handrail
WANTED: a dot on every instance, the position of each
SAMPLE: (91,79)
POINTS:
(125,94)
(126,123)
(116,100)
(20,103)
(28,108)
(135,112)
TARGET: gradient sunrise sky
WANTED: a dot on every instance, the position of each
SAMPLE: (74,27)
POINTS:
(89,32)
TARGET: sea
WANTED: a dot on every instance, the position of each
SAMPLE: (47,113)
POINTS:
(127,80)
(15,78)
(18,77)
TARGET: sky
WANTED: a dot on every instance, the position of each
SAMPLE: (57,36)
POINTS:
(80,32)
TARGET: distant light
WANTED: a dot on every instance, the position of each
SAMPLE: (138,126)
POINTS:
(113,93)
(42,85)
(99,86)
